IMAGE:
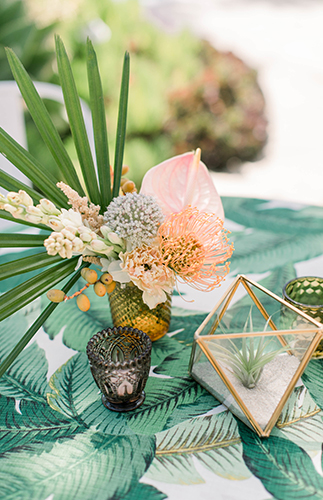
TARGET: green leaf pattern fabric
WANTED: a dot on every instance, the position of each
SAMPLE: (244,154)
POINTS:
(57,440)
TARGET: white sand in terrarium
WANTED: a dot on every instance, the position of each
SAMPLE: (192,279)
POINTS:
(263,399)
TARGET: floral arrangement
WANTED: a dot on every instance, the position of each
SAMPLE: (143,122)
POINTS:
(172,230)
(139,238)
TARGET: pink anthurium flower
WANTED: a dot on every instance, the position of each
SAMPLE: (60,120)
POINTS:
(181,181)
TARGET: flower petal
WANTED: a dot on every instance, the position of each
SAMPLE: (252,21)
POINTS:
(153,298)
(105,264)
(105,230)
(171,182)
(117,273)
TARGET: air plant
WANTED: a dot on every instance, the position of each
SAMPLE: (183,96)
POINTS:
(247,363)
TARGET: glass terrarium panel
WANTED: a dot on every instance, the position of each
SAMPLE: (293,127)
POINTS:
(206,375)
(257,369)
(250,352)
(256,311)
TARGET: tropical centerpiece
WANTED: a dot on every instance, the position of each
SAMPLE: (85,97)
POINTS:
(141,244)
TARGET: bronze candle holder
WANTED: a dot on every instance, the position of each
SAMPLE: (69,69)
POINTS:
(120,362)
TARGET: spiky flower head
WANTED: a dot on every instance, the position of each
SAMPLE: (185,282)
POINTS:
(195,245)
(135,218)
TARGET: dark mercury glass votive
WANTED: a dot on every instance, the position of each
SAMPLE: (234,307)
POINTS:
(306,293)
(120,362)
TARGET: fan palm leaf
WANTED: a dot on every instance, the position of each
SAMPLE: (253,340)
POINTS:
(44,122)
(27,264)
(99,126)
(7,216)
(6,363)
(11,184)
(98,186)
(23,294)
(21,240)
(76,120)
(31,168)
(121,128)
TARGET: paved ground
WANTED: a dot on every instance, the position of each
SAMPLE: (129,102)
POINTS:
(283,40)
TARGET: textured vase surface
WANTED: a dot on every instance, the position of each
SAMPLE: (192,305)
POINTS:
(128,309)
(120,363)
(306,293)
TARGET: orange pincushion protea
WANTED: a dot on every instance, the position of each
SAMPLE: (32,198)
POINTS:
(195,245)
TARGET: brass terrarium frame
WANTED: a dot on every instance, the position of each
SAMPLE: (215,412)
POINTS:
(210,325)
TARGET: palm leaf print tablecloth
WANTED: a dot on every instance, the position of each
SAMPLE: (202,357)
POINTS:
(58,442)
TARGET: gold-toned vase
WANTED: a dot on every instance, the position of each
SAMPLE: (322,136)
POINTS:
(128,309)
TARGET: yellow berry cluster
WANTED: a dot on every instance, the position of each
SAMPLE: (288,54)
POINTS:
(101,286)
(126,185)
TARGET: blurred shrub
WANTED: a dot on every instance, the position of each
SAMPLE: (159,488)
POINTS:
(221,111)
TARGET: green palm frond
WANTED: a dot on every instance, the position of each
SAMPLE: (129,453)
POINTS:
(44,122)
(11,184)
(76,120)
(7,216)
(31,168)
(121,128)
(96,179)
(27,264)
(99,126)
(21,240)
(23,294)
(7,362)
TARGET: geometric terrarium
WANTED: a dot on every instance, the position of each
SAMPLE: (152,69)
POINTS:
(251,350)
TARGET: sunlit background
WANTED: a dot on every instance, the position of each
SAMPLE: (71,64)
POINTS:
(251,98)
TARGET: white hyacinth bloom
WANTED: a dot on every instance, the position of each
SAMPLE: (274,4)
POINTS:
(34,211)
(55,223)
(70,217)
(3,201)
(86,234)
(69,232)
(64,243)
(100,247)
(13,198)
(47,207)
(77,245)
(105,230)
(114,238)
(16,211)
(35,219)
(25,199)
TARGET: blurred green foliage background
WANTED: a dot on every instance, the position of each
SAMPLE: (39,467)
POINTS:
(183,93)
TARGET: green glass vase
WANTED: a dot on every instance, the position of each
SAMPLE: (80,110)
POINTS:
(306,293)
(128,309)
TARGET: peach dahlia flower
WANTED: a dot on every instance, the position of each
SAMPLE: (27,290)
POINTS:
(195,246)
(146,270)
